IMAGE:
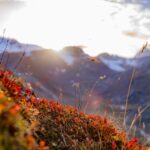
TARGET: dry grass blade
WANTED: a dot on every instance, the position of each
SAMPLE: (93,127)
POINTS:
(63,138)
(127,97)
(7,59)
(130,85)
(20,60)
(138,116)
(3,36)
(89,94)
(4,51)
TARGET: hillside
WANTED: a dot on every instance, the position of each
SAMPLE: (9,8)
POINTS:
(74,78)
(31,123)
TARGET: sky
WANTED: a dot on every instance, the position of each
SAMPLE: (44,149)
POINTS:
(118,27)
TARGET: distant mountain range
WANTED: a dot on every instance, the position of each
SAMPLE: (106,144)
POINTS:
(95,84)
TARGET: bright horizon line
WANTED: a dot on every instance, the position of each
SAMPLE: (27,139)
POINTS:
(81,46)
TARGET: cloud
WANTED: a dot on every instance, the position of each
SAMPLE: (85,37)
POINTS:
(7,7)
(136,35)
(130,1)
(132,17)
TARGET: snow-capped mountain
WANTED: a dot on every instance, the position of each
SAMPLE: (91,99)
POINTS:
(116,63)
(12,45)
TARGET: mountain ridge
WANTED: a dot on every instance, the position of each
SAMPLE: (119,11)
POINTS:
(100,81)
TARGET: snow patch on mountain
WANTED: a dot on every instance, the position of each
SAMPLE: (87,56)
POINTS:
(115,65)
(12,45)
(68,58)
(131,63)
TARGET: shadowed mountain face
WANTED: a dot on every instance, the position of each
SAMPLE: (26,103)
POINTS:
(95,85)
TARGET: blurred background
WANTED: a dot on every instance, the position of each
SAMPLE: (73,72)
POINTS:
(82,53)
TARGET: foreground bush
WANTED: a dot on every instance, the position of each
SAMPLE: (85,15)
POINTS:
(14,132)
(32,123)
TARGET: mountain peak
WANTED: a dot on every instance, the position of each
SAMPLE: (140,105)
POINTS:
(75,51)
